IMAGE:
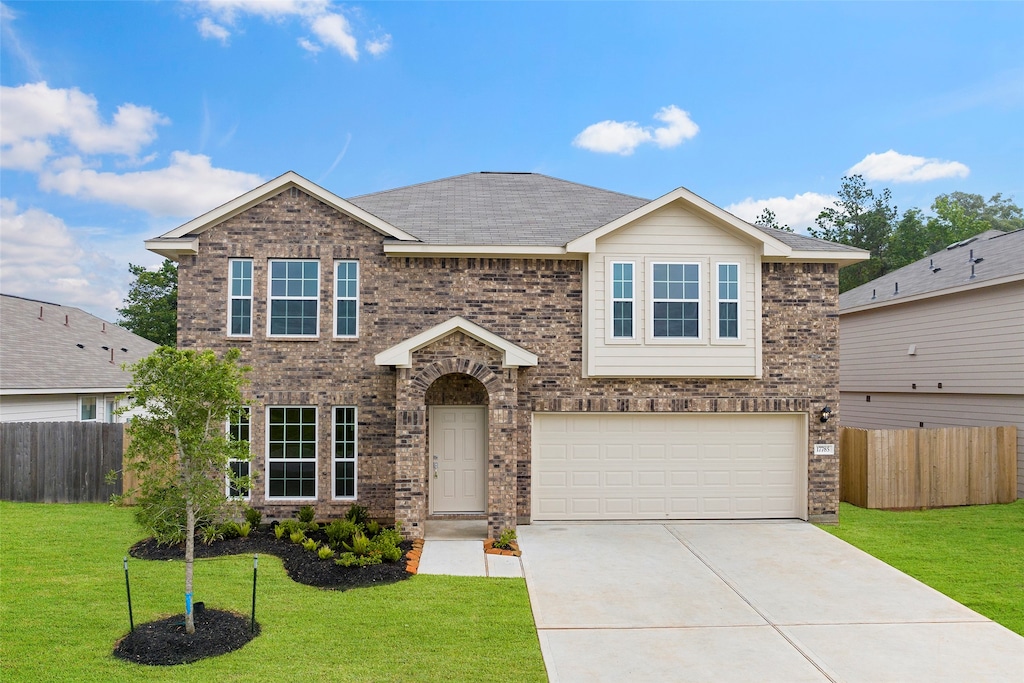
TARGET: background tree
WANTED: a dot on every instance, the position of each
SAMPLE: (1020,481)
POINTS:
(151,307)
(767,220)
(179,449)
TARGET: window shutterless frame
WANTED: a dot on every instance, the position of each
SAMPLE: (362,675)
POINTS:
(291,462)
(727,313)
(293,292)
(622,297)
(87,408)
(344,466)
(240,297)
(675,296)
(238,430)
(346,299)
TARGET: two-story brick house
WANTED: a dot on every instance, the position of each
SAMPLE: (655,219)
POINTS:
(521,347)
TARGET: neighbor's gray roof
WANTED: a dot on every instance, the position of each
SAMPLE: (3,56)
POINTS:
(996,255)
(517,209)
(44,353)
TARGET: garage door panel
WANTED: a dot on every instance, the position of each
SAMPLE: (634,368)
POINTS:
(668,466)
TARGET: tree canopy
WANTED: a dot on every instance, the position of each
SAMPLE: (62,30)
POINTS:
(179,448)
(151,307)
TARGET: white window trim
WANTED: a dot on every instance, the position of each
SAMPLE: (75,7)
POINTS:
(701,314)
(738,301)
(231,297)
(271,299)
(335,459)
(96,408)
(316,457)
(336,298)
(227,479)
(610,337)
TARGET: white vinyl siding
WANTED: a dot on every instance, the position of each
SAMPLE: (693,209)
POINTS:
(39,408)
(617,466)
(623,298)
(728,308)
(240,298)
(291,452)
(673,234)
(238,430)
(294,295)
(346,440)
(346,299)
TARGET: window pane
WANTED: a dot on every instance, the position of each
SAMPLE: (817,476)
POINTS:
(241,316)
(728,320)
(89,408)
(622,319)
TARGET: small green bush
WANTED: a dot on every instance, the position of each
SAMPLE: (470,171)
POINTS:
(254,517)
(230,529)
(358,514)
(325,552)
(211,533)
(392,535)
(310,544)
(244,529)
(505,541)
(297,536)
(306,514)
(353,560)
(372,528)
(279,531)
(290,526)
(360,544)
(310,527)
(340,531)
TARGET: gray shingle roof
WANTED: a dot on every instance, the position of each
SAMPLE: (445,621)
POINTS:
(44,354)
(517,209)
(997,255)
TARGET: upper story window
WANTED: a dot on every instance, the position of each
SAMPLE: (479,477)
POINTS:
(346,299)
(728,301)
(238,430)
(675,300)
(294,298)
(623,293)
(240,308)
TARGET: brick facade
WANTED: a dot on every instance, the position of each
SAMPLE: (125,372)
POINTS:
(534,303)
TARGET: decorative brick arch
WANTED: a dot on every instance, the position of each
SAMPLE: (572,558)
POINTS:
(458,366)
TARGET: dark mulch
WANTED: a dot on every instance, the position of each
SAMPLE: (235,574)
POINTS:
(302,566)
(165,642)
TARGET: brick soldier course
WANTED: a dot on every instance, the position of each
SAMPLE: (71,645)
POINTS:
(534,303)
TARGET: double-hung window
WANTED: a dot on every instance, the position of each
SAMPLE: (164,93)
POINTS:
(87,408)
(346,299)
(623,293)
(291,452)
(728,301)
(238,430)
(294,298)
(240,305)
(345,447)
(675,300)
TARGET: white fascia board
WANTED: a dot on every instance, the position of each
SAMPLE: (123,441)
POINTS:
(771,246)
(7,391)
(1018,277)
(843,258)
(400,355)
(174,248)
(470,250)
(276,186)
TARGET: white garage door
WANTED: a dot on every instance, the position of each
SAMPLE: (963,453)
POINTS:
(668,466)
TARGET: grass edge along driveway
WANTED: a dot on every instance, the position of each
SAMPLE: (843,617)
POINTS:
(63,606)
(974,554)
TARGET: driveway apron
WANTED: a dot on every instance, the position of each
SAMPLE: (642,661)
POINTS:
(737,601)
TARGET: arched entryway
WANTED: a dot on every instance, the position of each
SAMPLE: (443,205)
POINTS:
(457,445)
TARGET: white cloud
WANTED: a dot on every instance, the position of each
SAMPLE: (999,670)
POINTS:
(327,23)
(623,137)
(43,259)
(189,186)
(14,45)
(35,114)
(378,46)
(798,212)
(894,167)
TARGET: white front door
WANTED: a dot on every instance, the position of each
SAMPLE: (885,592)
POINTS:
(458,457)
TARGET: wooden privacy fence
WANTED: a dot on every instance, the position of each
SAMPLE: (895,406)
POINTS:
(59,462)
(924,468)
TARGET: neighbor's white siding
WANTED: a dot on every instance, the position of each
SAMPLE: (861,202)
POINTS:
(674,234)
(41,408)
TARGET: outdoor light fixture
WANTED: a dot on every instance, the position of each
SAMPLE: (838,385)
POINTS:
(826,413)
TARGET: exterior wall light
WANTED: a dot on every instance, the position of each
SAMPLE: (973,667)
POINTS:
(826,413)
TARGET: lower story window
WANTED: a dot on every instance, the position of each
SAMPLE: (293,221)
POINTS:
(238,430)
(291,452)
(344,452)
(88,408)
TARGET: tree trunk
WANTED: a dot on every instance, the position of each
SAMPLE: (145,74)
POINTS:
(190,554)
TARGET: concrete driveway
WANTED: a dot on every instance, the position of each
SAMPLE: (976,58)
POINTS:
(735,601)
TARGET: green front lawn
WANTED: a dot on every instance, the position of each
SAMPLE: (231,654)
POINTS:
(975,555)
(63,606)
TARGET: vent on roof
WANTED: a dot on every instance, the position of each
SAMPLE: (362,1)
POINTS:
(81,346)
(124,349)
(961,243)
(932,266)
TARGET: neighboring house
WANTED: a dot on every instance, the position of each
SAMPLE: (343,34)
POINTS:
(521,347)
(939,343)
(59,363)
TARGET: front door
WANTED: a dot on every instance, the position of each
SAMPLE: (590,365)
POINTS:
(458,457)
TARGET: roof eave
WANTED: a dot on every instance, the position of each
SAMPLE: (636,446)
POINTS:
(173,248)
(842,258)
(1016,277)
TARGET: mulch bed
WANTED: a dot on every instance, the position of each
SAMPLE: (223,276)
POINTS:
(165,643)
(302,566)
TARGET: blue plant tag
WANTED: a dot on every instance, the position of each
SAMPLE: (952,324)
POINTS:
(188,603)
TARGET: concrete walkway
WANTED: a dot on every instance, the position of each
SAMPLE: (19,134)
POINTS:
(736,601)
(456,548)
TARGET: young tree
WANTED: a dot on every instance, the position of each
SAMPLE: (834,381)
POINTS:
(151,307)
(179,449)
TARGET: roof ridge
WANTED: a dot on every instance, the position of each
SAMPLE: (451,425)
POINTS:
(38,301)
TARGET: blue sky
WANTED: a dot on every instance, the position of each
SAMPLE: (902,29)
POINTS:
(120,121)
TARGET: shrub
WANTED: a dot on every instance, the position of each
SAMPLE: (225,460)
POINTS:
(505,541)
(211,533)
(290,526)
(390,535)
(310,544)
(279,531)
(297,536)
(306,514)
(358,514)
(253,517)
(360,544)
(372,528)
(340,531)
(325,552)
(387,551)
(311,526)
(230,529)
(244,529)
(353,560)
